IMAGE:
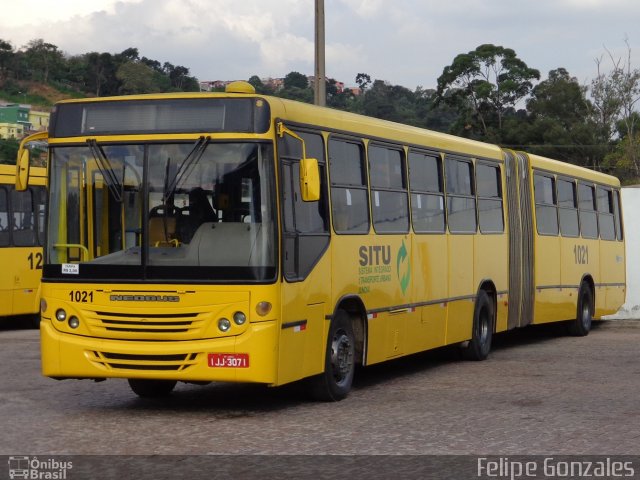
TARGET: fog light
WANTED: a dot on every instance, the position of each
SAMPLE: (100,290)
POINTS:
(43,305)
(224,324)
(61,315)
(263,308)
(239,318)
(74,322)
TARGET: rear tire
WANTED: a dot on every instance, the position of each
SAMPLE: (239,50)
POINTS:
(151,388)
(479,346)
(335,382)
(581,326)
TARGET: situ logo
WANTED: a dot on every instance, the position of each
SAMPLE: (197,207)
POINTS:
(376,267)
(38,469)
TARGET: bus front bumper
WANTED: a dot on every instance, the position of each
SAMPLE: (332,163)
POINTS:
(250,357)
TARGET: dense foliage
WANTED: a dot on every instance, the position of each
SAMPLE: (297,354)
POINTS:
(488,94)
(93,73)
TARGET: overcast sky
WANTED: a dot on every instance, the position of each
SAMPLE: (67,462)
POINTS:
(406,42)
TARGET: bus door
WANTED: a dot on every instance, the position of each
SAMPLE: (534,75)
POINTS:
(306,287)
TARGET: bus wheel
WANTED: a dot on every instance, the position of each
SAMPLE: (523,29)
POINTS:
(483,316)
(151,388)
(584,315)
(335,382)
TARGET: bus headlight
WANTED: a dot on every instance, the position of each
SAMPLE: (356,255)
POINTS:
(74,322)
(263,308)
(224,325)
(61,315)
(239,318)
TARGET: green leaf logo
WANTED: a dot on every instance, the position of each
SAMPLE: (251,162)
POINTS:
(402,260)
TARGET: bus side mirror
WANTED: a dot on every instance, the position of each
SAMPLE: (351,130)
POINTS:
(22,162)
(309,180)
(22,170)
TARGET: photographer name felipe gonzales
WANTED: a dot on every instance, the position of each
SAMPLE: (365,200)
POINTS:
(555,467)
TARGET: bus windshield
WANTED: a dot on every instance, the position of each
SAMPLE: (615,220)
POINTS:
(173,211)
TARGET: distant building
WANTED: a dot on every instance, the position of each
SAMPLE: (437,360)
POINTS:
(17,120)
(39,120)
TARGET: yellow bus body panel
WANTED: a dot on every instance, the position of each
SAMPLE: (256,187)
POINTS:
(21,266)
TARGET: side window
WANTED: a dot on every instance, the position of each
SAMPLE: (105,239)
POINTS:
(587,206)
(40,199)
(461,201)
(488,186)
(568,208)
(616,214)
(300,216)
(24,227)
(389,200)
(306,229)
(349,198)
(546,211)
(606,222)
(427,197)
(5,234)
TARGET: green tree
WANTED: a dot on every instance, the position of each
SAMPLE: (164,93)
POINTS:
(135,77)
(390,102)
(43,59)
(363,80)
(296,80)
(560,121)
(487,82)
(9,151)
(296,87)
(6,58)
(616,95)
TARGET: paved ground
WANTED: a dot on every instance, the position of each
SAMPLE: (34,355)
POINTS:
(540,392)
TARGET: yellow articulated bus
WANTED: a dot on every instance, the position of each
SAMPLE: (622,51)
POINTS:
(237,237)
(21,238)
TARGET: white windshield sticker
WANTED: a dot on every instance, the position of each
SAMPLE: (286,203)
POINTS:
(70,268)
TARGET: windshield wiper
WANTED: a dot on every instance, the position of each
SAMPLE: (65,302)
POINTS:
(185,166)
(115,187)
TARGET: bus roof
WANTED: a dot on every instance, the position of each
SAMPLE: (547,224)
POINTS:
(339,121)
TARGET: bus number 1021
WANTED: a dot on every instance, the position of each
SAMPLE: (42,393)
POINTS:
(581,253)
(80,296)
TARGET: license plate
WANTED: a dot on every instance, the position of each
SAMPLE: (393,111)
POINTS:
(229,360)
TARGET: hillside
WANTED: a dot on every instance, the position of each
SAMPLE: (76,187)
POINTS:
(39,95)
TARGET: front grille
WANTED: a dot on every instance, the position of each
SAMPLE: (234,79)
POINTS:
(126,361)
(146,326)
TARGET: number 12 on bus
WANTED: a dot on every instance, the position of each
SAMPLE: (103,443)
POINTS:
(243,238)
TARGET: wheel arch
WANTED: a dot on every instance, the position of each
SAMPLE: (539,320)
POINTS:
(490,289)
(354,306)
(588,280)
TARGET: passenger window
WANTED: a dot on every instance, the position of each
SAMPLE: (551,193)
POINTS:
(587,206)
(24,228)
(616,215)
(546,211)
(606,222)
(488,186)
(5,235)
(349,198)
(461,201)
(427,197)
(389,201)
(568,208)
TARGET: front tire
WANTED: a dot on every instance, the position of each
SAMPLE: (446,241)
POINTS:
(479,346)
(335,382)
(151,388)
(581,326)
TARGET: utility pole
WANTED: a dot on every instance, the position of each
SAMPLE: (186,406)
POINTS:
(320,90)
